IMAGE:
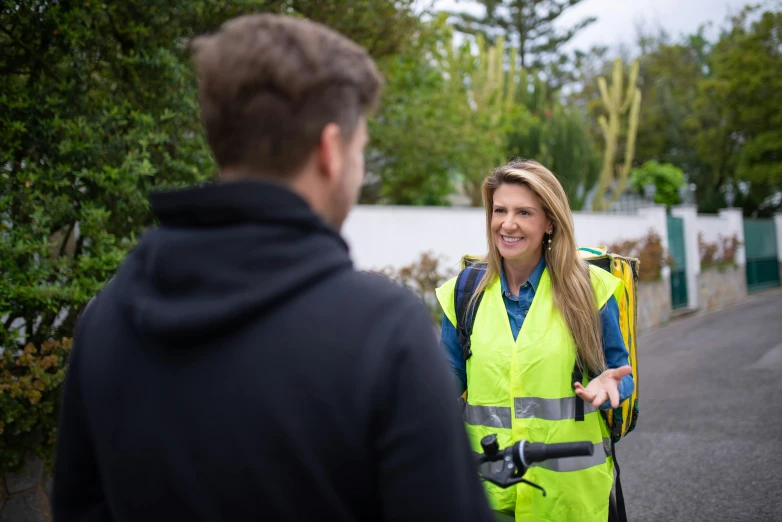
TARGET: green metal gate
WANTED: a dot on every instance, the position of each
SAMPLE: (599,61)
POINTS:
(679,268)
(760,245)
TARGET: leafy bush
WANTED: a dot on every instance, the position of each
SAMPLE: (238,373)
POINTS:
(665,177)
(30,381)
(650,253)
(719,254)
(422,277)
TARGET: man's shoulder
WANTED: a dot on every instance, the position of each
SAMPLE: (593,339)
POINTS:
(369,303)
(368,286)
(96,310)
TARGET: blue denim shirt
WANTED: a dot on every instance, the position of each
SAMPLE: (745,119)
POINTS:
(616,353)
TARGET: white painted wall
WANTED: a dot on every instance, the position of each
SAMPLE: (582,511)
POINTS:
(712,226)
(596,228)
(381,236)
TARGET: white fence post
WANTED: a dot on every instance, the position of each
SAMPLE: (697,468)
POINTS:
(689,215)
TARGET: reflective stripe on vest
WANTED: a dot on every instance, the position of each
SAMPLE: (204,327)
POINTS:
(491,416)
(549,409)
(524,408)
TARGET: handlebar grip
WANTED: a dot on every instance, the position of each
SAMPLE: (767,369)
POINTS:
(538,452)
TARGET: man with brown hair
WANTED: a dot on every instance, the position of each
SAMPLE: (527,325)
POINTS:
(237,367)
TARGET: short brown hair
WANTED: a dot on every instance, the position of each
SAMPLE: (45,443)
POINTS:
(269,84)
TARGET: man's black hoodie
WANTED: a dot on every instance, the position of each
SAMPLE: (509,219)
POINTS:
(238,368)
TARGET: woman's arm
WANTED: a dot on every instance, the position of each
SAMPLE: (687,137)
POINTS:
(449,343)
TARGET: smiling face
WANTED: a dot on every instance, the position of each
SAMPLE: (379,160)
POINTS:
(518,223)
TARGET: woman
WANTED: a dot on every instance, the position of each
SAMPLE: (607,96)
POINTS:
(543,310)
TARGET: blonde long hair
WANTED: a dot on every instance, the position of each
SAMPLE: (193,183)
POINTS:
(574,296)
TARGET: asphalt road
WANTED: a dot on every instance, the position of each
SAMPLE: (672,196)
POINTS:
(708,445)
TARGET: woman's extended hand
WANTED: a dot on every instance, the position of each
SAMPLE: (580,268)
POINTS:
(604,386)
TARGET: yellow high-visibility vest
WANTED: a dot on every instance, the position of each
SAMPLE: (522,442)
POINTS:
(522,389)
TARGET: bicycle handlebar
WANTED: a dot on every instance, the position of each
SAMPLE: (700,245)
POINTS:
(507,467)
(533,452)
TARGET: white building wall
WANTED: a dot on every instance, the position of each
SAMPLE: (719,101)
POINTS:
(396,236)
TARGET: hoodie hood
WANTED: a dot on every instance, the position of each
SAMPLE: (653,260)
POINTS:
(222,256)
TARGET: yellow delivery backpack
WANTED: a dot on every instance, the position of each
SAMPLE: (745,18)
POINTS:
(621,420)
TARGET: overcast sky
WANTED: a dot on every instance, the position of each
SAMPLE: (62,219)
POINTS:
(616,19)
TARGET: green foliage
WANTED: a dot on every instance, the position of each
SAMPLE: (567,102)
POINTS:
(383,27)
(741,108)
(487,108)
(422,277)
(29,394)
(414,137)
(444,118)
(714,110)
(669,79)
(558,137)
(98,108)
(665,177)
(531,26)
(93,116)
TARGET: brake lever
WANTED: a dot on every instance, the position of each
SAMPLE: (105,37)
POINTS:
(507,481)
(508,475)
(516,481)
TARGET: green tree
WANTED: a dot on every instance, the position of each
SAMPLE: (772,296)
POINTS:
(487,108)
(558,137)
(529,27)
(98,108)
(711,108)
(740,110)
(528,24)
(669,78)
(383,27)
(666,178)
(411,160)
(94,115)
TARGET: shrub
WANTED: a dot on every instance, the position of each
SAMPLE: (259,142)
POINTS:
(30,383)
(650,253)
(665,177)
(719,254)
(422,277)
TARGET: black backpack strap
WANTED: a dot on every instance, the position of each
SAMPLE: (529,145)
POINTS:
(620,498)
(578,376)
(465,314)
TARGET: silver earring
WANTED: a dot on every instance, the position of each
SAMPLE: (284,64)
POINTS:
(549,241)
